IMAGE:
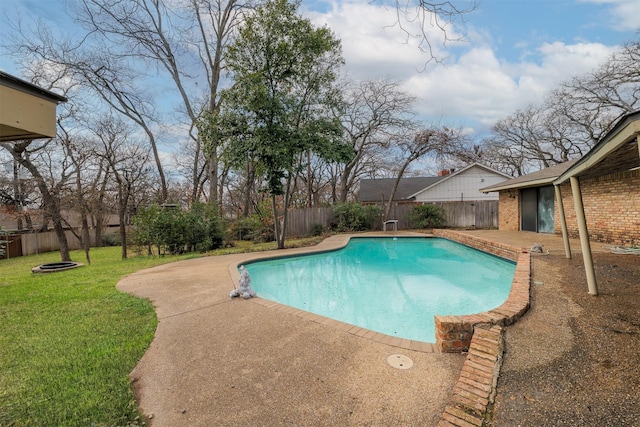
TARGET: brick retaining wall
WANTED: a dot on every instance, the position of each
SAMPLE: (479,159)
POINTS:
(476,387)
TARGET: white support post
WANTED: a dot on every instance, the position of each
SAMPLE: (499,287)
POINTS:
(584,236)
(563,222)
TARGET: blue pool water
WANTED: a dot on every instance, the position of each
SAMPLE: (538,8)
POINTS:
(389,285)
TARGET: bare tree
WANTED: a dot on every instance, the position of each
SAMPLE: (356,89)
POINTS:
(44,166)
(571,120)
(376,115)
(79,158)
(126,159)
(165,36)
(441,16)
(591,104)
(408,150)
(46,160)
(127,46)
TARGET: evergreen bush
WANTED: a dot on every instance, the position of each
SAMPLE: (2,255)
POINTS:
(351,216)
(428,216)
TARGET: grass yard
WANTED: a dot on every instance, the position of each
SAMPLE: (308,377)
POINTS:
(68,340)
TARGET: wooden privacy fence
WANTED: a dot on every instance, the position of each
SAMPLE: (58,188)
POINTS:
(300,222)
(39,242)
(476,214)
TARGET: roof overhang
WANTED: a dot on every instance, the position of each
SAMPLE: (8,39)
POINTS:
(536,179)
(617,152)
(26,110)
(533,183)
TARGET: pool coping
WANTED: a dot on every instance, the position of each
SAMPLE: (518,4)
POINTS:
(453,333)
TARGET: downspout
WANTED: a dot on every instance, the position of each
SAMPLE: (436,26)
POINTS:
(563,222)
(584,236)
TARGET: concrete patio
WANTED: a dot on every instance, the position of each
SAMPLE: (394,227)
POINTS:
(216,361)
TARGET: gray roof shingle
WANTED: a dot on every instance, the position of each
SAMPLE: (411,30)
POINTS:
(375,190)
(541,177)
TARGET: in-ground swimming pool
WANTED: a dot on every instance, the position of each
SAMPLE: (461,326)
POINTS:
(389,285)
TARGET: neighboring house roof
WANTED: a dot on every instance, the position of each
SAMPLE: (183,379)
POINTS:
(460,172)
(536,179)
(376,190)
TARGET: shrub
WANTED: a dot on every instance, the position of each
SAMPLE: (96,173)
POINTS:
(172,230)
(317,229)
(204,228)
(247,228)
(428,216)
(111,240)
(349,217)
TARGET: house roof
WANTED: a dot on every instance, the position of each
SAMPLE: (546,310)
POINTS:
(13,82)
(375,190)
(459,172)
(26,110)
(617,151)
(542,177)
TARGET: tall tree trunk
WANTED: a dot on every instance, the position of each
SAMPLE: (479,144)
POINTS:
(276,221)
(17,194)
(85,237)
(309,181)
(250,179)
(51,202)
(392,196)
(122,206)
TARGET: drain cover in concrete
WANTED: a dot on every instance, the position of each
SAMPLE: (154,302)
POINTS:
(400,361)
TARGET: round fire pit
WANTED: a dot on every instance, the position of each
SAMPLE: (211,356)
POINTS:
(55,266)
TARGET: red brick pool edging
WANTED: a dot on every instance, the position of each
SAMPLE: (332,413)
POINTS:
(482,336)
(476,386)
(454,333)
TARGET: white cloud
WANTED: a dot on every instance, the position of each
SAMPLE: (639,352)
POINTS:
(481,88)
(372,45)
(625,14)
(474,87)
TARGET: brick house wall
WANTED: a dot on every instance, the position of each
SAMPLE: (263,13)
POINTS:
(611,204)
(509,210)
(611,207)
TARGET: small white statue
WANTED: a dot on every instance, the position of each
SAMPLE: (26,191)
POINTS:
(536,249)
(244,288)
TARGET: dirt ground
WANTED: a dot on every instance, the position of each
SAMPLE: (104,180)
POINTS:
(574,359)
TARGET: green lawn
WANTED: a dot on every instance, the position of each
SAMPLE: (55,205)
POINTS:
(68,340)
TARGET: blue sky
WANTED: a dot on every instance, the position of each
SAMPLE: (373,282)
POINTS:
(514,52)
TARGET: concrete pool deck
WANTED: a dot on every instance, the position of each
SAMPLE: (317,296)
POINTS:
(216,361)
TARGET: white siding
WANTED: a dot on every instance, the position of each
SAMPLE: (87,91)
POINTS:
(464,186)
